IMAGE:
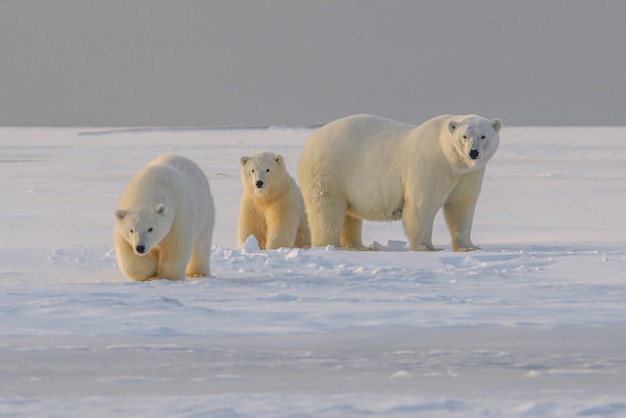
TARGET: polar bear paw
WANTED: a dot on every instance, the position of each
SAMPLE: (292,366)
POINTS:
(422,247)
(465,249)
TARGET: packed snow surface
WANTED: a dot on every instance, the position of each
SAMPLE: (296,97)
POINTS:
(534,324)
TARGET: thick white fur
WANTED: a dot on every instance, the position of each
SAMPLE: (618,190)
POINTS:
(368,167)
(168,209)
(274,212)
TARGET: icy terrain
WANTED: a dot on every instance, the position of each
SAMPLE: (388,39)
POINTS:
(532,325)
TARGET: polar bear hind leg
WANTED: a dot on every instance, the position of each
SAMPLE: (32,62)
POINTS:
(351,232)
(326,216)
(303,235)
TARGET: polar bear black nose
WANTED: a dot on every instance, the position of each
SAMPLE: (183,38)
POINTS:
(474,154)
(140,249)
(259,184)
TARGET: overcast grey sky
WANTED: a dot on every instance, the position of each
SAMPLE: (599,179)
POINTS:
(290,62)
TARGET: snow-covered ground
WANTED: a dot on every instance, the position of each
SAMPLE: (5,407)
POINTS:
(532,325)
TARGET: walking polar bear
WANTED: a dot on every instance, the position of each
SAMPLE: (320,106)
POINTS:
(368,167)
(164,222)
(271,204)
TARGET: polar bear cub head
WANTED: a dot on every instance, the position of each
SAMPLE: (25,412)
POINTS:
(261,172)
(144,228)
(475,139)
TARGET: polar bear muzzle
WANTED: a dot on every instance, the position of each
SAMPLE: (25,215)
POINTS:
(141,247)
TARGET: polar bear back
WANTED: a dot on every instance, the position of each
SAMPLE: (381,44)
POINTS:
(175,181)
(360,153)
(355,140)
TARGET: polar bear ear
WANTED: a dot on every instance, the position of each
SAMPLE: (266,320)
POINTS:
(161,209)
(244,160)
(279,159)
(120,214)
(497,124)
(452,125)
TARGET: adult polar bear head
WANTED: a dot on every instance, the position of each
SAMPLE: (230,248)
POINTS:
(470,141)
(144,228)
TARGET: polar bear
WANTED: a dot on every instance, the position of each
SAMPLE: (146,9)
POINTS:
(164,222)
(271,204)
(369,167)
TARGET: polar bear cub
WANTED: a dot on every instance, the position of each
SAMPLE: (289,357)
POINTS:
(369,167)
(271,204)
(164,222)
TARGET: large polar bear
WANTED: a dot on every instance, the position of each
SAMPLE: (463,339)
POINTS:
(164,222)
(271,204)
(368,167)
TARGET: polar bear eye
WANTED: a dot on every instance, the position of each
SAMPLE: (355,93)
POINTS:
(150,229)
(132,231)
(464,136)
(267,171)
(482,137)
(252,171)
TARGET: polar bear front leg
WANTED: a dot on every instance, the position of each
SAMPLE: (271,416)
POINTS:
(171,269)
(135,267)
(250,222)
(173,260)
(459,215)
(418,226)
(282,227)
(459,211)
(199,264)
